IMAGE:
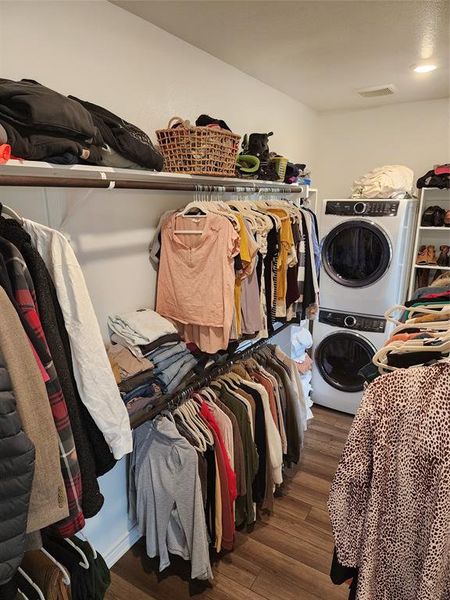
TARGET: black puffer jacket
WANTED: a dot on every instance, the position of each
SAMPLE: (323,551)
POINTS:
(16,477)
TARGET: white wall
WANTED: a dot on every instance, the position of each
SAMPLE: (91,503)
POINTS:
(101,53)
(351,143)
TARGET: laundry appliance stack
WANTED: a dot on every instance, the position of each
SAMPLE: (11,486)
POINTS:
(366,258)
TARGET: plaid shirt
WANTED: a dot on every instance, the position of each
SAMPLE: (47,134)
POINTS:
(24,295)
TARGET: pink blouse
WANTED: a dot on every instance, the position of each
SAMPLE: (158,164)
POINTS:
(196,278)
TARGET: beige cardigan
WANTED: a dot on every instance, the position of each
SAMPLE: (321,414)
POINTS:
(48,503)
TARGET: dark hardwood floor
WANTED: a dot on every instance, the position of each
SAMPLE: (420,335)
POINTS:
(288,554)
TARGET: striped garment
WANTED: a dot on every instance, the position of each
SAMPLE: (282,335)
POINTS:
(24,295)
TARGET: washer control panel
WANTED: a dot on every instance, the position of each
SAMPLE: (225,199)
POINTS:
(366,208)
(352,321)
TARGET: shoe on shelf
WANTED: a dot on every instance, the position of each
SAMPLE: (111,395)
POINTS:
(423,278)
(431,253)
(422,257)
(444,260)
(447,219)
(433,217)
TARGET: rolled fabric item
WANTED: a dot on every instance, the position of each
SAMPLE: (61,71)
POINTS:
(5,153)
(246,163)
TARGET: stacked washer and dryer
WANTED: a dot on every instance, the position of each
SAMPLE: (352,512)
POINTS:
(366,262)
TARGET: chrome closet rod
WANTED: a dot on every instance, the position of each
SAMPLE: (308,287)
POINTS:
(130,184)
(171,401)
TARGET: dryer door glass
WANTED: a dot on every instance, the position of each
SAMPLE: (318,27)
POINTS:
(356,253)
(340,356)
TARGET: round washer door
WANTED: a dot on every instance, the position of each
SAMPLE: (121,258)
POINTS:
(356,253)
(340,356)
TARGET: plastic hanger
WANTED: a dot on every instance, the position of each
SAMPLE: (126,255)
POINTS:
(398,347)
(416,312)
(221,208)
(424,326)
(229,382)
(210,394)
(204,429)
(200,206)
(84,538)
(66,576)
(85,563)
(31,582)
(6,210)
(22,595)
(423,310)
(193,429)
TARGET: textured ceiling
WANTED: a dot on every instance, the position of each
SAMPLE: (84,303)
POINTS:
(319,52)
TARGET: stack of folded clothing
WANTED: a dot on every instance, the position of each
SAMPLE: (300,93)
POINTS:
(141,327)
(173,362)
(125,364)
(147,356)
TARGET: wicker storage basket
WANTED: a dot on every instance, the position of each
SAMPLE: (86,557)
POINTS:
(198,150)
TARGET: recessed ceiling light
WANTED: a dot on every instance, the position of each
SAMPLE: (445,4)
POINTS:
(427,68)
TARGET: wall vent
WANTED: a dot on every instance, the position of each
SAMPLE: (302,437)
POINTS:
(377,90)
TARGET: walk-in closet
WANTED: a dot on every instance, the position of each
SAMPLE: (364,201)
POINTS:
(225,300)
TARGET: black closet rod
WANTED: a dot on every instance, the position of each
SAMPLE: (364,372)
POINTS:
(172,401)
(131,184)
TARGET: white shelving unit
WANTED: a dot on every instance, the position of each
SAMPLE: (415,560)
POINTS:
(425,235)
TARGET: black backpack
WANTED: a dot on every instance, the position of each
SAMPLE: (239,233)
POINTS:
(126,139)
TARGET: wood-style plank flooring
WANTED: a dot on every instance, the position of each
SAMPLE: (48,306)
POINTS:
(288,554)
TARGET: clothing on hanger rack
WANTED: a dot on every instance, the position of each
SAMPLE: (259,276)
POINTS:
(248,264)
(59,442)
(421,335)
(214,450)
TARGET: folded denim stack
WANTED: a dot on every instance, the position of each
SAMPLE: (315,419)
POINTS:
(148,357)
(172,362)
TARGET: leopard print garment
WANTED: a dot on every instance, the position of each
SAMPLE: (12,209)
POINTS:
(390,499)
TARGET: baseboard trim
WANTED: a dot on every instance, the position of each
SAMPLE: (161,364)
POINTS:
(128,540)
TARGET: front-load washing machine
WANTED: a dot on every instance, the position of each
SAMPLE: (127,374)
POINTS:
(366,253)
(343,343)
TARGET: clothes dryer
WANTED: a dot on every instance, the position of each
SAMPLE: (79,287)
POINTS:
(344,342)
(366,253)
